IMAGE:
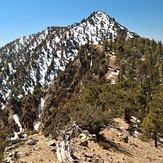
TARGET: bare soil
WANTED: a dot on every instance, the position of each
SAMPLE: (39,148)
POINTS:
(118,146)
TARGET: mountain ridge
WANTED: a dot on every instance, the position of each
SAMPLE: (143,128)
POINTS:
(44,54)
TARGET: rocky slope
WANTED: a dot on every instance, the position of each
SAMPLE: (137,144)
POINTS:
(116,145)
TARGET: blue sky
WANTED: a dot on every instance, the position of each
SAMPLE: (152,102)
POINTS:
(24,17)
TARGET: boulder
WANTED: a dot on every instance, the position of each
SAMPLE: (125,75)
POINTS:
(84,143)
(52,142)
(31,141)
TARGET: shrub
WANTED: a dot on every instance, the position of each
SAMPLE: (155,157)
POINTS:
(89,117)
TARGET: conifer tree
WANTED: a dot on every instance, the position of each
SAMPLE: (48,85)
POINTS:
(152,125)
(161,71)
(105,45)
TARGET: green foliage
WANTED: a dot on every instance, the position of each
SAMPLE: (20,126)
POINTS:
(4,131)
(3,135)
(38,91)
(91,118)
(139,60)
(95,107)
(29,106)
(152,125)
(106,45)
(82,94)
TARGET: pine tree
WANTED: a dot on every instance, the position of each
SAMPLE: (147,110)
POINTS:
(105,45)
(121,75)
(152,125)
(161,71)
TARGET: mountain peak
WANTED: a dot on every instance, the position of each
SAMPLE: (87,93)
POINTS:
(99,12)
(100,15)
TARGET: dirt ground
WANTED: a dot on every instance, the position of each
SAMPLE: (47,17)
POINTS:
(118,147)
(121,150)
(39,152)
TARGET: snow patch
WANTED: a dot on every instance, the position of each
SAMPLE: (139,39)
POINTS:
(36,123)
(136,119)
(20,130)
(17,121)
(3,106)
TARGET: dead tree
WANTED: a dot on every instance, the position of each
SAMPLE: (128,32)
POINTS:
(64,149)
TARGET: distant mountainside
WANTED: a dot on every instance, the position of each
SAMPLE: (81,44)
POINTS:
(33,61)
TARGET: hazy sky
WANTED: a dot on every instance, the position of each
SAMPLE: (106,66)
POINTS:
(19,18)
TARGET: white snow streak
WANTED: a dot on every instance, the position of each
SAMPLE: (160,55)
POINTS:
(36,123)
(17,133)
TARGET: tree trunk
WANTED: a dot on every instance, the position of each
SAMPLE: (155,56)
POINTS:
(155,138)
(64,150)
(127,115)
(64,153)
